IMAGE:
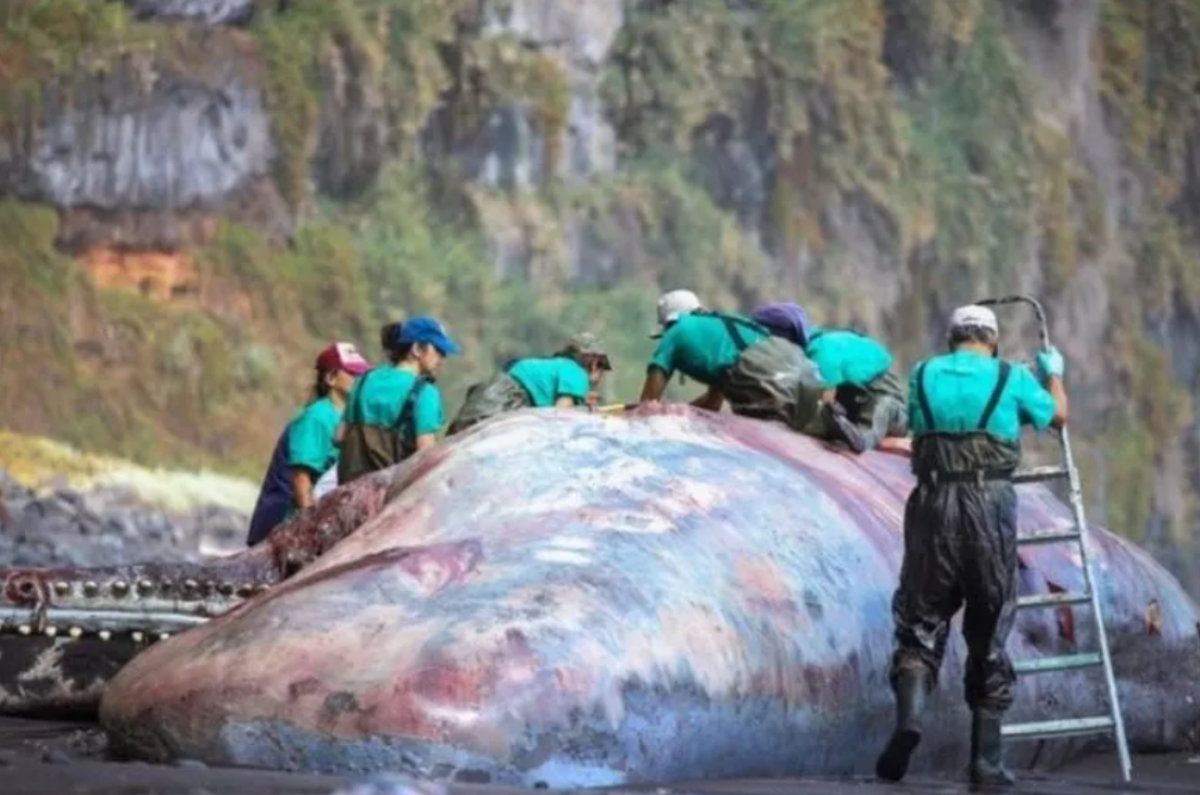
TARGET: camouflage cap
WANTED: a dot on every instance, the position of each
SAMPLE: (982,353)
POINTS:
(586,343)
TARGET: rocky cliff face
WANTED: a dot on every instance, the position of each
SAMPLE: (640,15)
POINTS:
(524,165)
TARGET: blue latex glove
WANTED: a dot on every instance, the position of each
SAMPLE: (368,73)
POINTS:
(1050,363)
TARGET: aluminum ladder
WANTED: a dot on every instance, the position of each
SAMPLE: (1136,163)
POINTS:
(1113,722)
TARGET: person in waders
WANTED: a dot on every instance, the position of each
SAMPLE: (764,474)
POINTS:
(307,448)
(960,531)
(863,401)
(740,361)
(396,411)
(562,380)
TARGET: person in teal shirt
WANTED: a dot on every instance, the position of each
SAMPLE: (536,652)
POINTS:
(307,447)
(966,409)
(863,399)
(759,374)
(563,380)
(396,411)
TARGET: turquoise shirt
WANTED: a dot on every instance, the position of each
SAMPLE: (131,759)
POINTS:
(845,357)
(310,436)
(378,397)
(701,347)
(547,380)
(958,386)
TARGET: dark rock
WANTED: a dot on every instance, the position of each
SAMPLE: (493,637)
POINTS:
(53,756)
(142,153)
(115,525)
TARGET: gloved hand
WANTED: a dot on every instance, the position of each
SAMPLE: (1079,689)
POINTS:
(1050,363)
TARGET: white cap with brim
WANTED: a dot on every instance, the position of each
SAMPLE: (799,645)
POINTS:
(676,304)
(976,316)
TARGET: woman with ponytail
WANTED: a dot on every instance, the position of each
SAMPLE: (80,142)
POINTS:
(397,410)
(307,448)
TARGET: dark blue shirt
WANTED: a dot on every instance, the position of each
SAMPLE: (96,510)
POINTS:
(277,496)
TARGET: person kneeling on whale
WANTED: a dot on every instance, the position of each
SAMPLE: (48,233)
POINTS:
(562,380)
(863,402)
(759,374)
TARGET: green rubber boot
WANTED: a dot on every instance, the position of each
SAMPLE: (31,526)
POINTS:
(987,751)
(911,689)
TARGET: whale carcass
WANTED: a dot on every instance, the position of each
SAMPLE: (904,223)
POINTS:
(564,599)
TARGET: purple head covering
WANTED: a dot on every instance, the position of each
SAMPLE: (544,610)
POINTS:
(784,320)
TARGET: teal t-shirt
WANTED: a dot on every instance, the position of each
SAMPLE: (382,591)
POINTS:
(701,347)
(845,357)
(311,436)
(958,386)
(378,397)
(547,380)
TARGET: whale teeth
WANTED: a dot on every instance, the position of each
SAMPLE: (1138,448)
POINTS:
(89,588)
(164,635)
(226,588)
(137,637)
(120,588)
(104,634)
(50,631)
(190,585)
(62,588)
(24,629)
(145,586)
(75,632)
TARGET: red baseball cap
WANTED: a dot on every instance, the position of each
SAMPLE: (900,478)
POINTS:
(343,356)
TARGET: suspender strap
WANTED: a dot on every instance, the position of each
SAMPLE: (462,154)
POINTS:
(994,400)
(407,414)
(732,325)
(735,333)
(358,393)
(923,399)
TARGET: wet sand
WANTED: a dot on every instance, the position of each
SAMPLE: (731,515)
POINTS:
(54,758)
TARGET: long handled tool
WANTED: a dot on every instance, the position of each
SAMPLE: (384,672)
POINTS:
(1102,724)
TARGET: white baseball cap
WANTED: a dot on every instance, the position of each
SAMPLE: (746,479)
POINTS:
(974,315)
(676,304)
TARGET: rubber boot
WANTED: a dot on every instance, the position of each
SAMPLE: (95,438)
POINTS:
(911,689)
(844,429)
(987,751)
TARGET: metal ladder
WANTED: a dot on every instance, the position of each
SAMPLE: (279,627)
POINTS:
(1068,727)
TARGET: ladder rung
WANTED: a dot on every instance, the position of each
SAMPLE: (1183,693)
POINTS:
(1068,662)
(1057,728)
(1038,474)
(1054,600)
(1054,537)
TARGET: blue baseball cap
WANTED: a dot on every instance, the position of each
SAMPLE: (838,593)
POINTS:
(428,330)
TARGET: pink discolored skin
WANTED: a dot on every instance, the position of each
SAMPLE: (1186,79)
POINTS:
(579,600)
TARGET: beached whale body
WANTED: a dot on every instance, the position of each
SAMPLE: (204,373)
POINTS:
(569,599)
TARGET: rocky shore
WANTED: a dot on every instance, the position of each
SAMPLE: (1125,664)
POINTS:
(60,525)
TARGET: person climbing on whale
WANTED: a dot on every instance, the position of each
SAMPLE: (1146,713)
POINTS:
(863,401)
(562,380)
(760,375)
(396,411)
(307,447)
(966,408)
